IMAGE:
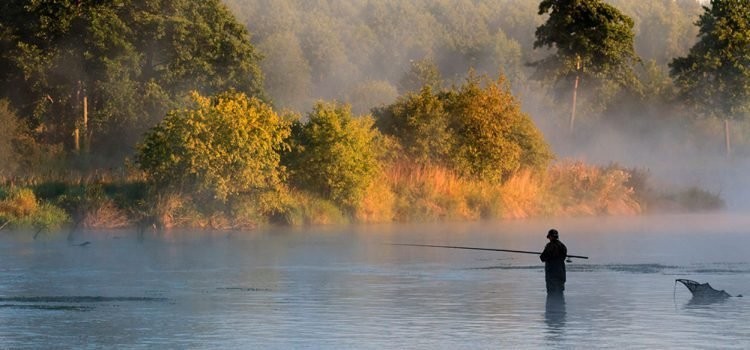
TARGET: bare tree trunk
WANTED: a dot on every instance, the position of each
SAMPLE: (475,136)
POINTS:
(575,94)
(86,141)
(727,142)
(77,139)
(573,110)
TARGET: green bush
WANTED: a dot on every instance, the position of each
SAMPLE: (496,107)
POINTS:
(304,208)
(420,124)
(20,209)
(333,154)
(494,138)
(221,147)
(476,131)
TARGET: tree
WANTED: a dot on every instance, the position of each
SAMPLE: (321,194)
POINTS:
(493,137)
(8,133)
(477,130)
(367,95)
(593,42)
(287,72)
(221,147)
(333,155)
(715,75)
(419,122)
(421,73)
(110,69)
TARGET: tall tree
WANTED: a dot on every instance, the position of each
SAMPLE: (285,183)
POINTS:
(715,75)
(125,62)
(593,42)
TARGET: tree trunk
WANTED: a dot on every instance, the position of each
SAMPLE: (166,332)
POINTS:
(575,94)
(727,142)
(573,109)
(77,139)
(86,141)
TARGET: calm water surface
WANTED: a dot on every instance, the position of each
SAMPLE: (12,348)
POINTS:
(346,287)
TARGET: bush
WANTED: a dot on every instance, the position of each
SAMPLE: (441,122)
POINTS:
(580,189)
(333,155)
(494,138)
(221,147)
(20,209)
(421,125)
(476,131)
(304,208)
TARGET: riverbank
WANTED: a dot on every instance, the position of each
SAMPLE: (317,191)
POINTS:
(400,193)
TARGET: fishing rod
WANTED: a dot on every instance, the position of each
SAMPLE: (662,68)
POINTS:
(485,249)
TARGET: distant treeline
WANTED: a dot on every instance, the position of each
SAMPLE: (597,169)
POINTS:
(358,51)
(170,113)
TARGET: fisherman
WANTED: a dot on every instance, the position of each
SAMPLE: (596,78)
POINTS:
(553,256)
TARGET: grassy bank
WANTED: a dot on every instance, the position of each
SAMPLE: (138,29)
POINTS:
(401,192)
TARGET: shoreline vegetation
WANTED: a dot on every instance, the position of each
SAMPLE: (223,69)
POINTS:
(159,114)
(402,193)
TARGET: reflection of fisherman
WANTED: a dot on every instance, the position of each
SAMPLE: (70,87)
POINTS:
(554,255)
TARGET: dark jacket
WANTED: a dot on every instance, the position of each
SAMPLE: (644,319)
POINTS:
(554,255)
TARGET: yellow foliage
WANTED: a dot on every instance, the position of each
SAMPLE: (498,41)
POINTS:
(21,203)
(575,188)
(377,204)
(521,195)
(427,192)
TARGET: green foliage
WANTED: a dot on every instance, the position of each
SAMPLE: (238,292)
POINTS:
(422,73)
(221,147)
(308,209)
(371,94)
(672,20)
(8,133)
(715,75)
(420,123)
(132,59)
(476,131)
(333,154)
(494,138)
(288,78)
(20,209)
(589,34)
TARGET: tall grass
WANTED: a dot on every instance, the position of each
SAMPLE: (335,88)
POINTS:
(20,209)
(402,192)
(576,189)
(429,193)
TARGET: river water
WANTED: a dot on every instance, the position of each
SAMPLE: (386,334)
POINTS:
(348,287)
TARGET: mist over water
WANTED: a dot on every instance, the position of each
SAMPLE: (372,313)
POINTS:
(347,287)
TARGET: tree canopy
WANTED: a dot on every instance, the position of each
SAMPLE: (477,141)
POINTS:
(333,154)
(132,59)
(715,74)
(221,146)
(477,129)
(590,37)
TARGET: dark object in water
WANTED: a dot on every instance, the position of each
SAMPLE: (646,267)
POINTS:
(703,290)
(83,244)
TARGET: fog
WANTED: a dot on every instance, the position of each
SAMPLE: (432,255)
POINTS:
(358,52)
(346,287)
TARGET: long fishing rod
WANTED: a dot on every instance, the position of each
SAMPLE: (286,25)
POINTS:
(485,249)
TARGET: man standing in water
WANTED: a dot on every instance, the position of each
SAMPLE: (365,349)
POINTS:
(553,256)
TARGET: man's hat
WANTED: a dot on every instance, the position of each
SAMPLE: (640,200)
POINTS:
(553,234)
